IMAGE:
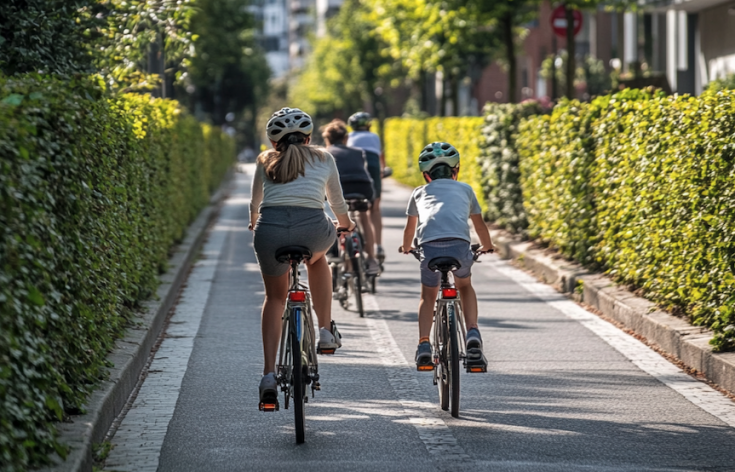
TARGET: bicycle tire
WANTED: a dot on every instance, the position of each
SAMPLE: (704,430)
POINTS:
(298,380)
(453,360)
(443,367)
(357,285)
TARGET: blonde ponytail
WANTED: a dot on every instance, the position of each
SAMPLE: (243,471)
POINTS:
(285,163)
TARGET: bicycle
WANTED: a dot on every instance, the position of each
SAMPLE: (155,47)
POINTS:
(449,333)
(297,362)
(348,274)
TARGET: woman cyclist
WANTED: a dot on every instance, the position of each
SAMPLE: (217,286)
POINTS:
(290,184)
(355,179)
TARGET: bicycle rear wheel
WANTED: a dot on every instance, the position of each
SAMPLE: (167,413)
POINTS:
(298,378)
(453,361)
(356,279)
(442,371)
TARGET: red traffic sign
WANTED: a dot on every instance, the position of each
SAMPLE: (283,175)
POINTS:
(559,21)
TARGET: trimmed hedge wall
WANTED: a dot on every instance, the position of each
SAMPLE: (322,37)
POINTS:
(405,137)
(643,186)
(501,175)
(94,190)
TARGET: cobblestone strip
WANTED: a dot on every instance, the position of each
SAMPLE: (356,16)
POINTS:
(436,436)
(138,440)
(646,359)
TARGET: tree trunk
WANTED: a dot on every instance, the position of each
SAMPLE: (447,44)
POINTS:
(455,94)
(571,67)
(554,78)
(443,102)
(510,54)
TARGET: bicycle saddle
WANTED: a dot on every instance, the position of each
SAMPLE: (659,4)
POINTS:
(357,202)
(293,253)
(444,264)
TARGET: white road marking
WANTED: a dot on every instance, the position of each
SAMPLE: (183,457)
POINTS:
(433,432)
(648,360)
(138,440)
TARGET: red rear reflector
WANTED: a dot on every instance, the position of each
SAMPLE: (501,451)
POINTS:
(297,296)
(449,293)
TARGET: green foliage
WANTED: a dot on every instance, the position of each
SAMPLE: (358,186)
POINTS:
(44,35)
(94,190)
(724,83)
(346,66)
(228,71)
(405,137)
(642,185)
(501,186)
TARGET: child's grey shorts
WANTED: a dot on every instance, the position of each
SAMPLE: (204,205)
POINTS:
(282,226)
(456,248)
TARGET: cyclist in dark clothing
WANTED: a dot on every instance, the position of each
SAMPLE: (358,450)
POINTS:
(355,179)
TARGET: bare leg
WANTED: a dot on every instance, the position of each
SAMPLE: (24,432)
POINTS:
(377,219)
(367,231)
(320,286)
(426,309)
(276,290)
(469,300)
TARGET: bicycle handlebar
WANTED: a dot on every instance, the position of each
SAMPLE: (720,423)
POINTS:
(474,248)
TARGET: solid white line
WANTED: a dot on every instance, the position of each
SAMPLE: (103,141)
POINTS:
(433,432)
(646,359)
(138,440)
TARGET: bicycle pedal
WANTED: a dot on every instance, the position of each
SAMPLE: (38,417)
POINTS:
(425,368)
(476,366)
(322,351)
(268,406)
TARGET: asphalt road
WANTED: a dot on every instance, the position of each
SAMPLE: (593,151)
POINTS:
(564,391)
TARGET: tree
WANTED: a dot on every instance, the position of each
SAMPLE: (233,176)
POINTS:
(346,66)
(227,72)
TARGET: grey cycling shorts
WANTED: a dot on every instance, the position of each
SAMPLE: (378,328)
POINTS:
(456,248)
(282,226)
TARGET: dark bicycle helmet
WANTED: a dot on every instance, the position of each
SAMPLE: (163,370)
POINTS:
(361,119)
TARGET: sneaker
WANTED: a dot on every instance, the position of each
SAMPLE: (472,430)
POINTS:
(423,354)
(474,344)
(268,389)
(372,267)
(380,254)
(329,340)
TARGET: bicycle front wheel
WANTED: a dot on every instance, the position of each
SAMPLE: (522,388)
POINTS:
(298,381)
(453,361)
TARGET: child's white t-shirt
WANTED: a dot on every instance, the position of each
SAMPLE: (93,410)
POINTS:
(443,207)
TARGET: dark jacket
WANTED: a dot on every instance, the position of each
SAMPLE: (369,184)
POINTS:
(353,174)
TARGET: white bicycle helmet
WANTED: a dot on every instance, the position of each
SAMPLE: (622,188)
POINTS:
(286,121)
(438,153)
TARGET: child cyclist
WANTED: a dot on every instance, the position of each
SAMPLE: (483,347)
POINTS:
(437,217)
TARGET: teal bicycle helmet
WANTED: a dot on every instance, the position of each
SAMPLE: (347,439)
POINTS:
(438,153)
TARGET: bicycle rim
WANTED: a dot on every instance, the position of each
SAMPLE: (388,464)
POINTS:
(453,352)
(443,371)
(298,382)
(357,285)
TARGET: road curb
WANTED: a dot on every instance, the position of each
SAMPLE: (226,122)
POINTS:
(687,343)
(131,352)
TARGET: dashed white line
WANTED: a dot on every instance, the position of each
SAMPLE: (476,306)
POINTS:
(433,432)
(646,359)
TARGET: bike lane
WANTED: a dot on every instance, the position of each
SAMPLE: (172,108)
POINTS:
(556,395)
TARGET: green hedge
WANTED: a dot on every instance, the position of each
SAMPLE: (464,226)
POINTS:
(501,175)
(643,186)
(94,190)
(405,137)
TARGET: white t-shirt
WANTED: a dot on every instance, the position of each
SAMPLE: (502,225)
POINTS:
(443,207)
(365,140)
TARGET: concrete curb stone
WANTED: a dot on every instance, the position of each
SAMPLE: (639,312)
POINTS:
(689,344)
(131,352)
